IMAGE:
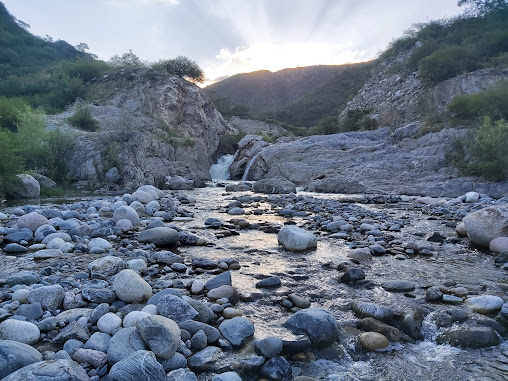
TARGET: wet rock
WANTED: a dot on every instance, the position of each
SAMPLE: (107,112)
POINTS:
(379,312)
(398,285)
(296,239)
(140,365)
(32,221)
(372,341)
(269,347)
(130,287)
(318,324)
(274,185)
(270,282)
(469,337)
(485,304)
(20,331)
(176,308)
(205,359)
(52,370)
(105,267)
(445,318)
(373,325)
(486,224)
(162,335)
(124,343)
(237,330)
(161,236)
(352,275)
(15,355)
(277,368)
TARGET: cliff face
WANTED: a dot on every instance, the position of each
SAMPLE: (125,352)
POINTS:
(150,129)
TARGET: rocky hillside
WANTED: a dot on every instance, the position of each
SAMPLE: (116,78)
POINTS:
(264,90)
(153,128)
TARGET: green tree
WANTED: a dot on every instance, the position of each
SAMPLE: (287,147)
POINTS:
(31,137)
(183,67)
(483,6)
(11,162)
(126,60)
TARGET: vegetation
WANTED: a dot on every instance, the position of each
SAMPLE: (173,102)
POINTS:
(183,67)
(228,109)
(11,162)
(358,119)
(83,119)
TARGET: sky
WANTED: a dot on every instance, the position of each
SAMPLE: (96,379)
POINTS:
(226,37)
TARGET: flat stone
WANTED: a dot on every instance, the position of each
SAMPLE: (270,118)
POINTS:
(485,304)
(74,330)
(237,330)
(270,282)
(140,365)
(398,285)
(48,253)
(95,358)
(470,337)
(205,359)
(161,236)
(219,280)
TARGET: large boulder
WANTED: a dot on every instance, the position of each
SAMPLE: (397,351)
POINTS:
(486,224)
(25,187)
(32,221)
(274,185)
(161,236)
(471,337)
(130,287)
(318,324)
(21,331)
(141,365)
(336,185)
(15,355)
(237,330)
(125,342)
(162,335)
(294,238)
(50,297)
(52,370)
(126,213)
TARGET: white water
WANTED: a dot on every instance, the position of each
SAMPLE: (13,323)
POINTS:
(249,164)
(220,171)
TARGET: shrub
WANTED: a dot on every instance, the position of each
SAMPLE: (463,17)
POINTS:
(184,68)
(10,109)
(443,64)
(11,162)
(491,103)
(82,118)
(31,138)
(357,120)
(59,145)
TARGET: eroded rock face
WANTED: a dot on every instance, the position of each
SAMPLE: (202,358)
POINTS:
(156,127)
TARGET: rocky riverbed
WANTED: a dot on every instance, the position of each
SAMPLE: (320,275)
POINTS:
(221,283)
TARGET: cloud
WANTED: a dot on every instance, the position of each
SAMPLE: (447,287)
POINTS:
(123,3)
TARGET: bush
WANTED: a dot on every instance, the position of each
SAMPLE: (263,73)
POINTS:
(31,139)
(485,152)
(59,145)
(492,103)
(82,119)
(357,120)
(10,109)
(11,162)
(443,64)
(184,68)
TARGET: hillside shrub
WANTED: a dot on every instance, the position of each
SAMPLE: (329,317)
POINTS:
(59,146)
(492,103)
(11,162)
(10,109)
(358,119)
(83,119)
(31,139)
(444,64)
(183,67)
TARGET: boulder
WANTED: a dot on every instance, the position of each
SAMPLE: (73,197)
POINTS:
(486,224)
(274,185)
(318,324)
(32,221)
(162,335)
(161,236)
(140,365)
(20,331)
(126,213)
(130,287)
(50,297)
(372,341)
(469,337)
(176,308)
(485,304)
(125,342)
(26,187)
(105,267)
(336,185)
(237,330)
(296,239)
(499,245)
(51,370)
(15,355)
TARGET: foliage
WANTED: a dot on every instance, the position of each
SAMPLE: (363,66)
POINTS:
(11,162)
(83,119)
(59,146)
(228,109)
(183,67)
(31,138)
(492,103)
(358,119)
(483,6)
(485,152)
(129,60)
(10,109)
(443,64)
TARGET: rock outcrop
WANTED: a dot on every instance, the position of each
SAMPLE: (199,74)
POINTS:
(151,128)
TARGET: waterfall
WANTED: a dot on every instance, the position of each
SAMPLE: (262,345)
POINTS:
(249,164)
(220,171)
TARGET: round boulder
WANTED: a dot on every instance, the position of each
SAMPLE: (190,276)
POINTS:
(32,221)
(274,185)
(318,324)
(499,245)
(485,304)
(18,330)
(126,213)
(372,341)
(130,287)
(15,355)
(160,236)
(51,370)
(486,224)
(162,335)
(296,239)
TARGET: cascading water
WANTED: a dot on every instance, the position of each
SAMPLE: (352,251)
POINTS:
(220,171)
(249,164)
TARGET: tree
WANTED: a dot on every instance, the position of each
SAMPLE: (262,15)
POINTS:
(482,7)
(184,68)
(82,47)
(126,60)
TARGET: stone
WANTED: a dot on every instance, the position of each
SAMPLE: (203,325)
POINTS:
(162,335)
(72,345)
(219,280)
(50,370)
(372,341)
(269,346)
(486,224)
(379,312)
(99,341)
(15,355)
(50,297)
(176,308)
(177,361)
(499,245)
(469,337)
(140,365)
(31,312)
(205,359)
(212,333)
(161,236)
(270,282)
(205,314)
(451,299)
(108,323)
(318,324)
(98,295)
(225,291)
(460,229)
(296,239)
(132,318)
(32,221)
(74,330)
(126,213)
(26,187)
(299,301)
(398,285)
(125,342)
(96,359)
(23,277)
(167,257)
(142,196)
(48,253)
(352,275)
(274,185)
(105,267)
(99,243)
(130,287)
(472,197)
(361,254)
(236,211)
(181,375)
(20,331)
(433,294)
(168,291)
(227,376)
(14,248)
(237,330)
(372,325)
(276,368)
(485,304)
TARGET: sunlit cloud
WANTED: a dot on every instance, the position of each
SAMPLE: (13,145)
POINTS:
(274,57)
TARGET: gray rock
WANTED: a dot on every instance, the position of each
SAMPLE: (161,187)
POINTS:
(372,341)
(485,304)
(100,310)
(14,248)
(48,253)
(297,239)
(26,187)
(74,330)
(32,311)
(140,365)
(205,359)
(105,267)
(23,277)
(177,361)
(32,221)
(225,291)
(398,285)
(52,370)
(98,295)
(379,312)
(181,375)
(18,330)
(96,359)
(471,197)
(126,213)
(227,376)
(15,355)
(167,257)
(270,282)
(199,340)
(237,330)
(71,346)
(162,335)
(168,291)
(212,333)
(19,235)
(176,308)
(205,314)
(352,275)
(318,324)
(99,243)
(99,341)
(161,236)
(108,323)
(50,297)
(470,337)
(269,347)
(499,245)
(219,280)
(130,287)
(274,185)
(486,224)
(373,325)
(124,343)
(277,368)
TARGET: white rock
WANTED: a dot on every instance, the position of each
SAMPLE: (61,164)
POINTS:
(136,264)
(126,213)
(294,238)
(150,309)
(472,197)
(143,197)
(55,243)
(130,287)
(109,323)
(19,330)
(486,224)
(499,245)
(485,304)
(132,318)
(100,243)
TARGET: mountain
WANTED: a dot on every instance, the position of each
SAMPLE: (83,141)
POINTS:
(264,90)
(22,53)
